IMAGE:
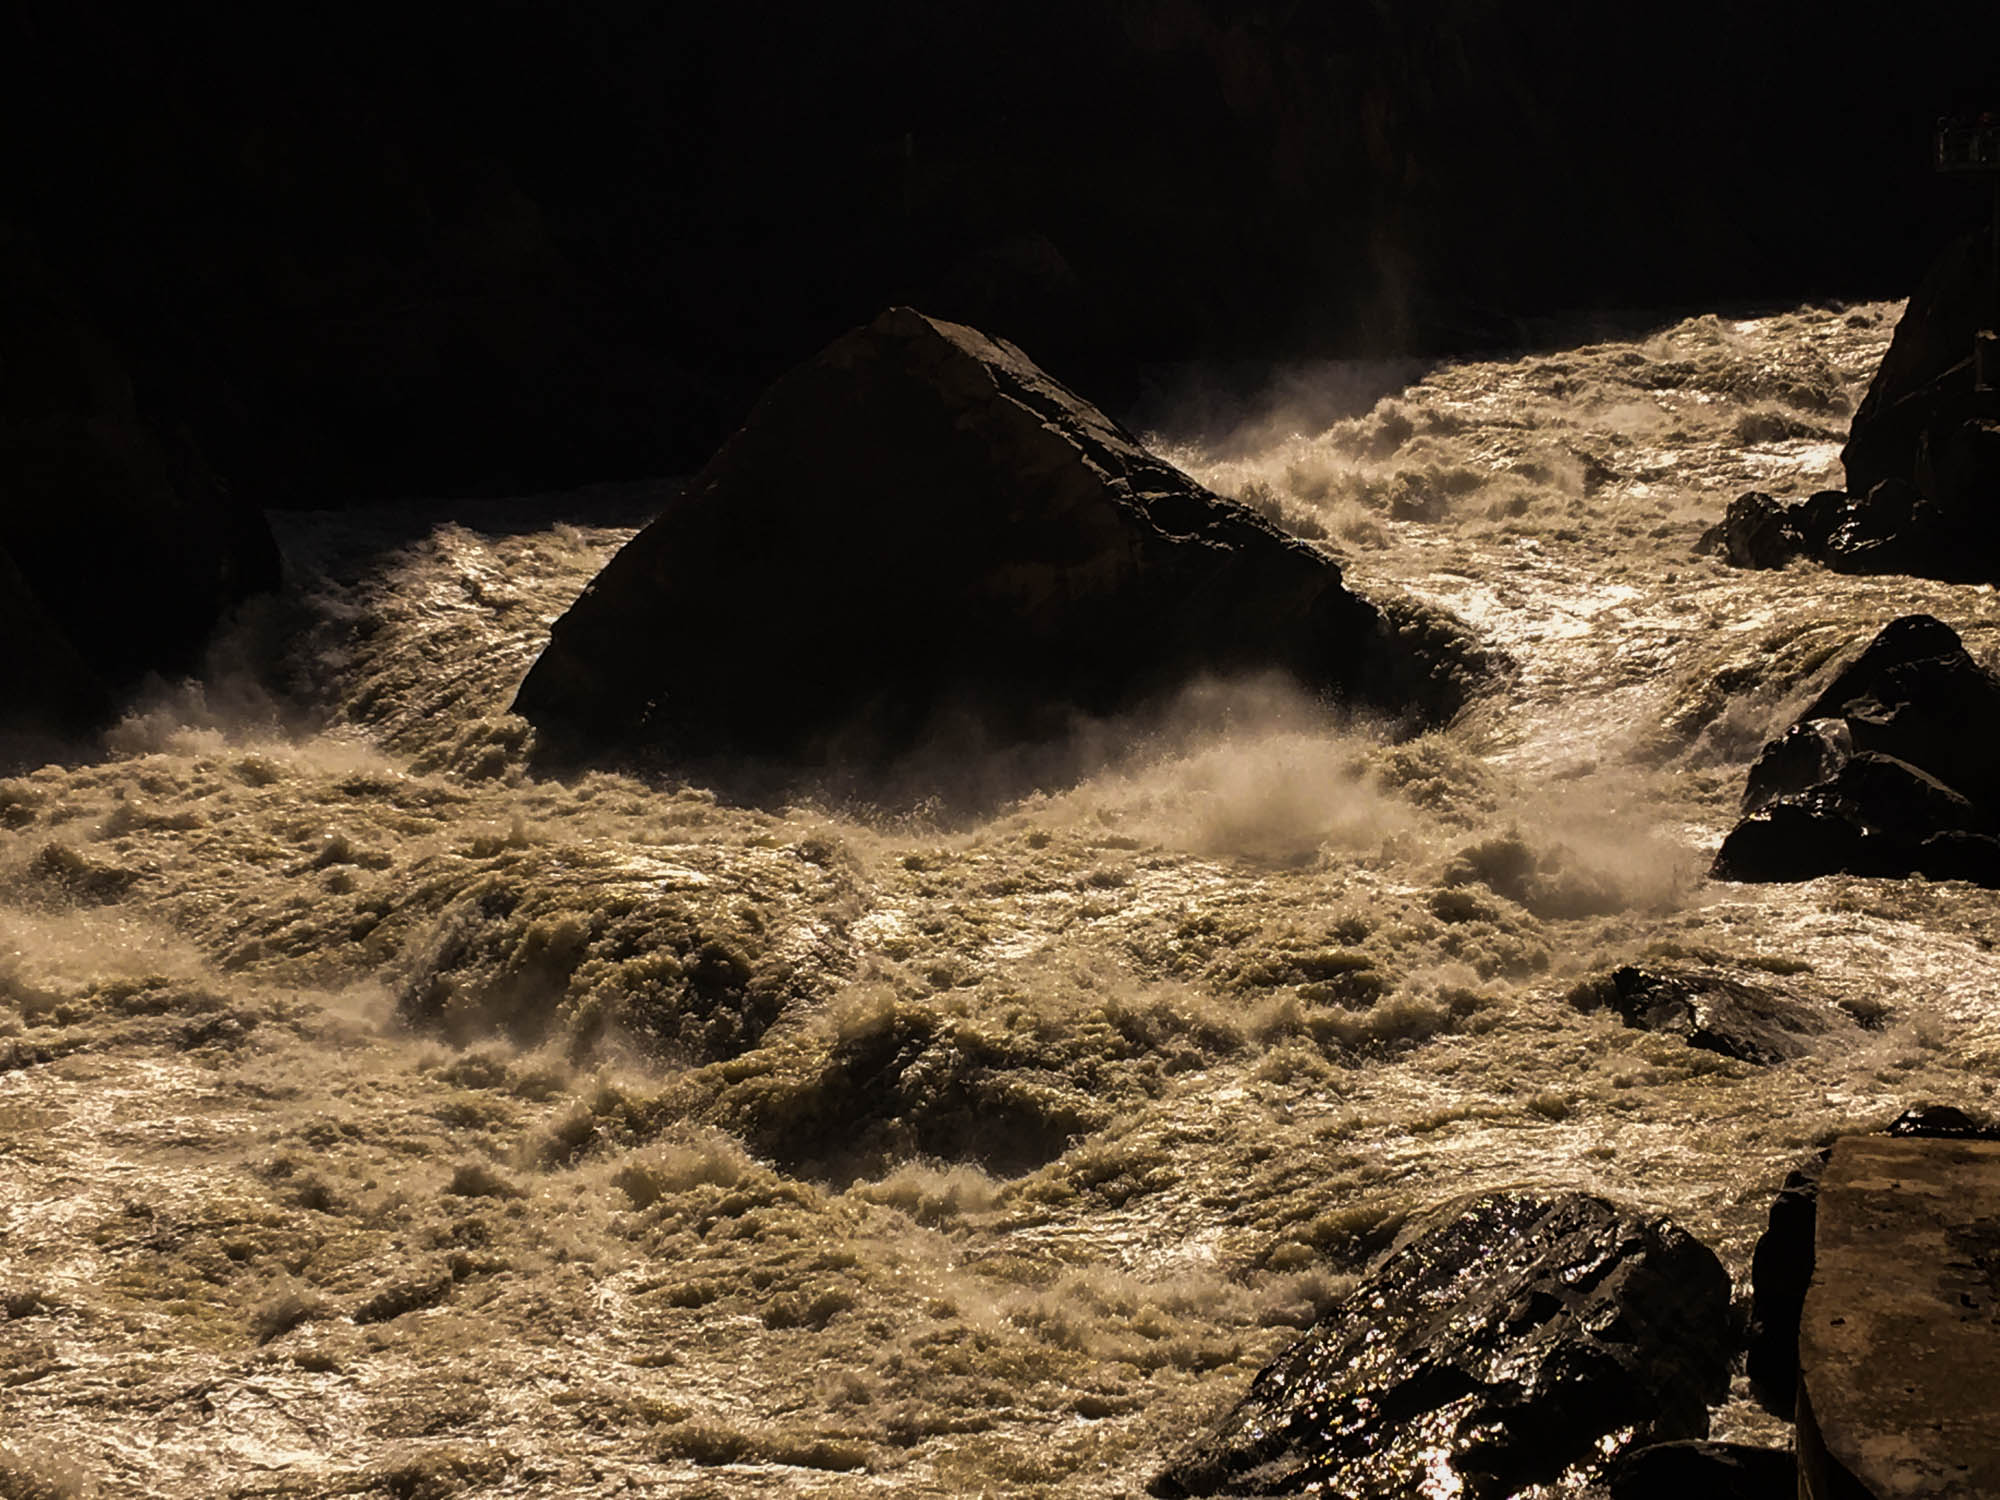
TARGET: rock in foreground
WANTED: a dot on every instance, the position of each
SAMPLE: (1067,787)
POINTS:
(1524,1336)
(1782,1268)
(1897,1343)
(918,529)
(1887,772)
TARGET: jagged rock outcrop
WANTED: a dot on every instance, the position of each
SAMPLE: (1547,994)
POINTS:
(1923,387)
(918,528)
(1708,1010)
(1922,455)
(1887,772)
(1523,1334)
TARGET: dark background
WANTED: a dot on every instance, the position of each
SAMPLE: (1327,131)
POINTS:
(356,251)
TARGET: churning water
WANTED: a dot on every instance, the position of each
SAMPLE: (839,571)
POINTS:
(376,1118)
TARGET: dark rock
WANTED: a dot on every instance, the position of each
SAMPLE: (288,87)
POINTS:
(1892,529)
(1780,1272)
(1888,771)
(1793,839)
(918,527)
(1816,518)
(45,686)
(1958,468)
(1898,799)
(1922,457)
(1806,754)
(1942,1122)
(1925,379)
(1713,1471)
(1781,1267)
(1755,532)
(1707,1010)
(1897,646)
(1521,1335)
(1953,855)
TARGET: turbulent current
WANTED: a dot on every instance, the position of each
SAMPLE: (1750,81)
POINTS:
(377,1118)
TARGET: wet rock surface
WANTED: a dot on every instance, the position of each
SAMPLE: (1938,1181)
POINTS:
(919,533)
(1884,773)
(1523,1335)
(1709,1010)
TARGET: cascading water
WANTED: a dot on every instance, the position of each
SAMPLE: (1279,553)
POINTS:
(382,1119)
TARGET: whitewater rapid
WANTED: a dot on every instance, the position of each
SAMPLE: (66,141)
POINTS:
(376,1117)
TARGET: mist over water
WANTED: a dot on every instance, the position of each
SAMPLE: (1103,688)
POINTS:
(381,1118)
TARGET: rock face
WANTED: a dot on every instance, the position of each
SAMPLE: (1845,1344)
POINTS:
(377,251)
(1781,1268)
(1708,1010)
(1897,1341)
(1506,1345)
(1922,455)
(919,525)
(1887,772)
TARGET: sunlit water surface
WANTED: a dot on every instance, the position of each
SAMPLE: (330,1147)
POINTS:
(786,1151)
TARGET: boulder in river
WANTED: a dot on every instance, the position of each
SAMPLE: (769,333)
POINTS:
(1922,455)
(919,528)
(1887,772)
(1708,1010)
(1924,385)
(1523,1335)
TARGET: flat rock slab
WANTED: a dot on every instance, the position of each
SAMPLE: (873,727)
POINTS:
(1899,1348)
(919,538)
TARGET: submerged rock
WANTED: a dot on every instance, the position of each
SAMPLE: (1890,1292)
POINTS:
(1708,1010)
(918,530)
(1887,772)
(1525,1335)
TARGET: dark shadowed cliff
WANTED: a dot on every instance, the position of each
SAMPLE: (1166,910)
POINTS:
(374,250)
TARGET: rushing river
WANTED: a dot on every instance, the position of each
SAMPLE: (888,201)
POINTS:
(822,1149)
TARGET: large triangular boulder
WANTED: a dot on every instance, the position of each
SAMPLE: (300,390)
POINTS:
(919,526)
